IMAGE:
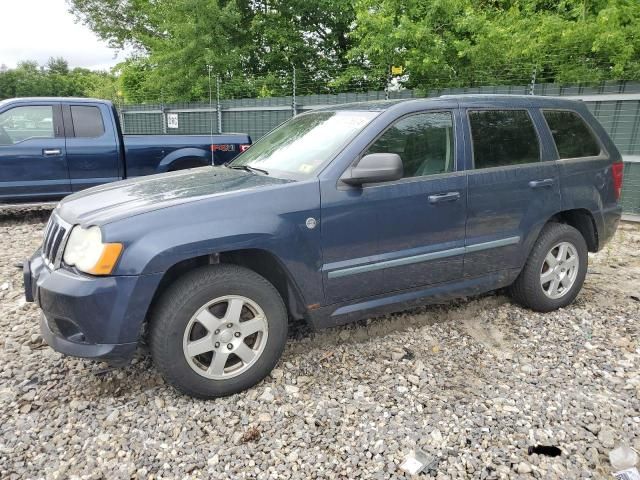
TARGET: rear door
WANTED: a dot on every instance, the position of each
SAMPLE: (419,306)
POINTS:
(513,188)
(93,152)
(33,164)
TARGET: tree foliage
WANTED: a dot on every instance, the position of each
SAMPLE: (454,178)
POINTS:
(55,78)
(339,45)
(445,43)
(250,44)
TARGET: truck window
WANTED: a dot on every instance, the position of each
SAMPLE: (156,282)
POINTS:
(424,142)
(503,137)
(87,121)
(22,123)
(573,137)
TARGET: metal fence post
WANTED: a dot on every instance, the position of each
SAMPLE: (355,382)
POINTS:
(387,82)
(121,112)
(164,119)
(294,106)
(532,86)
(218,110)
(209,68)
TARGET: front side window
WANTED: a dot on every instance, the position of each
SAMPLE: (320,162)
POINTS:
(22,123)
(573,137)
(301,145)
(425,143)
(503,137)
(87,121)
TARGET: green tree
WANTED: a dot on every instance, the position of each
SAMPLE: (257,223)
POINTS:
(450,43)
(55,79)
(252,45)
(343,45)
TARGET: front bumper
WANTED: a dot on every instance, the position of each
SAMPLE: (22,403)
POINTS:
(86,316)
(115,352)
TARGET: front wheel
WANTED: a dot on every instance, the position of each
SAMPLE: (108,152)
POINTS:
(555,270)
(217,331)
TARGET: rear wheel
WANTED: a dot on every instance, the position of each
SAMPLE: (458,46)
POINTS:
(555,270)
(218,330)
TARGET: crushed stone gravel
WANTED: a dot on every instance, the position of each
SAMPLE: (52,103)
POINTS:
(474,383)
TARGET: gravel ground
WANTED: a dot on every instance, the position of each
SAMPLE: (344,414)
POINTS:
(474,384)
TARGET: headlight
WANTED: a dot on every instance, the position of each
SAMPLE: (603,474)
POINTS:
(87,253)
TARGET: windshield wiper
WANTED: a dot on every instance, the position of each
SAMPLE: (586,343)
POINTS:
(247,168)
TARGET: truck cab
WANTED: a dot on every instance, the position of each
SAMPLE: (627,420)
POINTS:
(53,147)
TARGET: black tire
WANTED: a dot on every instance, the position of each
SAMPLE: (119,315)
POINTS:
(180,302)
(527,289)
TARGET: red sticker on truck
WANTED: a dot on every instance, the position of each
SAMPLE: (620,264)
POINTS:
(223,148)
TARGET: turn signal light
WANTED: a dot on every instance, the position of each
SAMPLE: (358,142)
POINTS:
(108,259)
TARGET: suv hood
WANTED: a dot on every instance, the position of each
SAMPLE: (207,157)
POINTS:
(113,201)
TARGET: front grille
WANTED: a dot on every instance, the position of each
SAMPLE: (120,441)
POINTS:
(55,237)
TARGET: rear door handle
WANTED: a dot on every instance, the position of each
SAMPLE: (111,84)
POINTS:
(444,197)
(49,152)
(547,182)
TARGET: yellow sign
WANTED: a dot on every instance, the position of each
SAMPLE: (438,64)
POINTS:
(397,70)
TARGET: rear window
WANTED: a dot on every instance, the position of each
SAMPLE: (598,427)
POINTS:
(87,121)
(503,137)
(573,137)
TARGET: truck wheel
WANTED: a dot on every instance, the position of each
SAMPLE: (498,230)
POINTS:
(217,331)
(555,270)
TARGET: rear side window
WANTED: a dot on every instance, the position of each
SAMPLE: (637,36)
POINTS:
(503,137)
(573,137)
(87,121)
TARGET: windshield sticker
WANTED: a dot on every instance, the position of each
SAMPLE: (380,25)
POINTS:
(305,168)
(355,121)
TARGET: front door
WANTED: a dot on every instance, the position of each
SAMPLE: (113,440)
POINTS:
(513,189)
(33,164)
(398,235)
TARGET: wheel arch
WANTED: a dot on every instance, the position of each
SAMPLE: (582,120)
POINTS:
(183,155)
(260,261)
(582,220)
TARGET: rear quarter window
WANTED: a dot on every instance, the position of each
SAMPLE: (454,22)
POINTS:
(87,121)
(573,137)
(502,138)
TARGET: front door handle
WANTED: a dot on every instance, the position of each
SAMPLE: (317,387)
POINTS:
(547,182)
(444,197)
(49,152)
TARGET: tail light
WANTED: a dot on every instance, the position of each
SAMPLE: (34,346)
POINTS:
(617,170)
(244,147)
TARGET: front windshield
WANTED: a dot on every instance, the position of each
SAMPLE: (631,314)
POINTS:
(301,145)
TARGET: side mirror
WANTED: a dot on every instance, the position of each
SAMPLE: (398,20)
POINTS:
(373,168)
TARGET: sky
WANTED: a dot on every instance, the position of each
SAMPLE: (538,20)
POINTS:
(40,29)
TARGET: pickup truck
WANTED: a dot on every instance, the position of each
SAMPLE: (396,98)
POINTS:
(51,147)
(337,215)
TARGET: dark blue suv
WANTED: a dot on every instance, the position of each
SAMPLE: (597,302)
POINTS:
(338,214)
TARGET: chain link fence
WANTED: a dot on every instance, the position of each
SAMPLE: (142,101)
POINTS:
(615,104)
